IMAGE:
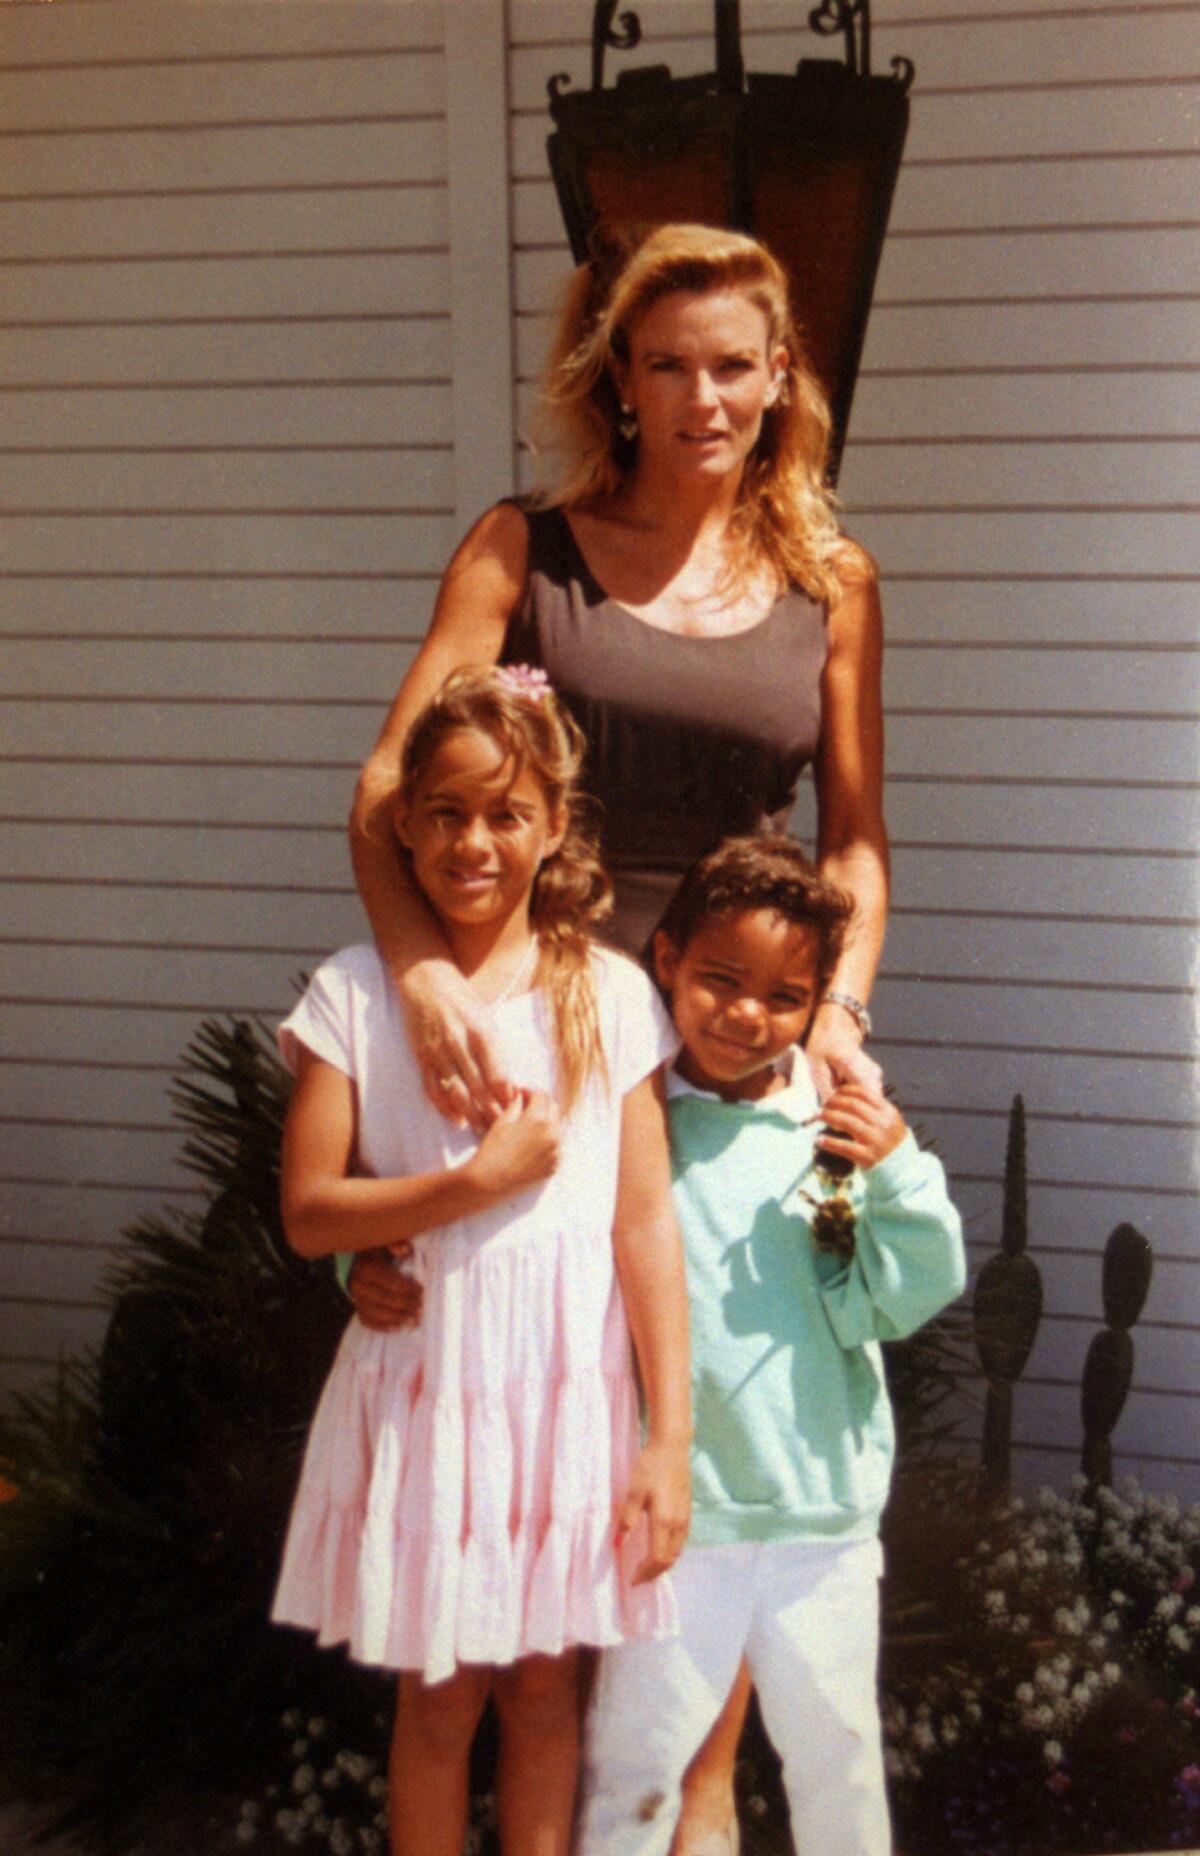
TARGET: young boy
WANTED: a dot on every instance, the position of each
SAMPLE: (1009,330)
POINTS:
(793,1438)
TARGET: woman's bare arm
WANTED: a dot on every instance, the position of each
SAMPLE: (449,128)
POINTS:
(852,845)
(478,594)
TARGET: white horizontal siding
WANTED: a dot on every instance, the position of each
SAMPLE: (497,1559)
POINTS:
(228,355)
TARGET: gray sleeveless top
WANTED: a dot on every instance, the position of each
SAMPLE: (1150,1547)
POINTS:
(689,739)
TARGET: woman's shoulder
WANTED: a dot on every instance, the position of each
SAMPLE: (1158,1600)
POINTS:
(853,565)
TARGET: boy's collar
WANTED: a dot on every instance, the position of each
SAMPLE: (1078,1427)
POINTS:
(798,1101)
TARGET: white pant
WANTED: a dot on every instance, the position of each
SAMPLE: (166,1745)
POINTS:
(806,1616)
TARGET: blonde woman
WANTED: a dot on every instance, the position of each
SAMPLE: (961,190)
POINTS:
(697,608)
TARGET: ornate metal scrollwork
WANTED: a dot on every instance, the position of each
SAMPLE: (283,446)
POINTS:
(623,37)
(852,18)
(903,70)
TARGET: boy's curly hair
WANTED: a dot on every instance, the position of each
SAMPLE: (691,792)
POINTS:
(764,871)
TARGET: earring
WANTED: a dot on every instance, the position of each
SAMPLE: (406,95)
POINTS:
(627,424)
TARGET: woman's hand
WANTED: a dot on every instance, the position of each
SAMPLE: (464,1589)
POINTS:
(835,1053)
(660,1488)
(446,1029)
(384,1297)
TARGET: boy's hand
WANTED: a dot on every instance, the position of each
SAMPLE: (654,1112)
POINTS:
(863,1127)
(521,1146)
(384,1298)
(660,1488)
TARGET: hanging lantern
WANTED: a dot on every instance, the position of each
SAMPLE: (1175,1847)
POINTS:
(806,161)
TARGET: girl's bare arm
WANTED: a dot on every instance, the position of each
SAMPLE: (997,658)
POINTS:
(649,1260)
(326,1208)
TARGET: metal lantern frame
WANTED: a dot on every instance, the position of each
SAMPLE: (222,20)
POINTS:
(806,160)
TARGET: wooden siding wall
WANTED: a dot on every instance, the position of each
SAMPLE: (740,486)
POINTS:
(246,409)
(229,483)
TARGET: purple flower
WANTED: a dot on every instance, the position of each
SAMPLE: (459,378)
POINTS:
(1187,1784)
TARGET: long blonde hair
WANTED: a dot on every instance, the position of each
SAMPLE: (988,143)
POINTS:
(571,891)
(785,510)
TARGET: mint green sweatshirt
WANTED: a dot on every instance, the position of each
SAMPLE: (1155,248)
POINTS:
(793,1428)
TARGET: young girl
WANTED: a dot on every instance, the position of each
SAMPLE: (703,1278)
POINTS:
(474,1503)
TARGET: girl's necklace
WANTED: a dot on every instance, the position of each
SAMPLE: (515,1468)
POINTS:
(519,974)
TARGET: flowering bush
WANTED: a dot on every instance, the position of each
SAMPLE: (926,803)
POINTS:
(1055,1707)
(335,1801)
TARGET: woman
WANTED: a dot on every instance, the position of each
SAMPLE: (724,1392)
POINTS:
(695,604)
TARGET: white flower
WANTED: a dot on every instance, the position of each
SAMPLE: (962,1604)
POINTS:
(1111,1674)
(1052,1753)
(894,1763)
(1178,1638)
(247,1830)
(341,1839)
(370,1839)
(377,1787)
(330,1778)
(950,1731)
(303,1779)
(1020,1623)
(312,1805)
(1110,1621)
(1168,1606)
(995,1603)
(924,1736)
(1025,1693)
(357,1767)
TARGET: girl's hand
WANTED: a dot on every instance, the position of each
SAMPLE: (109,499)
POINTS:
(446,1029)
(384,1298)
(660,1488)
(864,1126)
(835,1053)
(521,1146)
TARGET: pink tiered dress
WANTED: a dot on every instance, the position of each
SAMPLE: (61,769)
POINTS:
(456,1501)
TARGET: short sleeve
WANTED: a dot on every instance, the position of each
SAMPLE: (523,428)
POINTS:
(321,1021)
(643,1036)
